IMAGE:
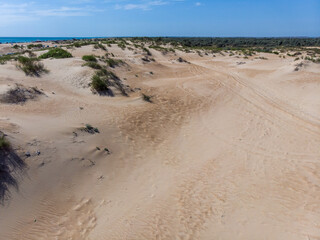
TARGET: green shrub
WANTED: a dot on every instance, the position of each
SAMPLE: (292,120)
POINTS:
(5,58)
(122,45)
(16,46)
(113,62)
(147,51)
(98,84)
(56,53)
(77,45)
(146,98)
(4,144)
(35,46)
(102,72)
(101,46)
(31,66)
(93,65)
(89,58)
(88,128)
(30,53)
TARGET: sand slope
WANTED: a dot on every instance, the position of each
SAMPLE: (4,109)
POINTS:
(225,151)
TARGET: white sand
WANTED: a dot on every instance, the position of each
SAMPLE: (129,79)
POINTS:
(226,151)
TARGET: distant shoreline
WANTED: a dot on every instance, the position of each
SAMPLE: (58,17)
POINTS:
(11,40)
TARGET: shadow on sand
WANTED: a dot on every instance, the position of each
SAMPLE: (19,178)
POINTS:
(11,169)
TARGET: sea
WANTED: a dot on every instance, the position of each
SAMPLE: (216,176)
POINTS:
(33,39)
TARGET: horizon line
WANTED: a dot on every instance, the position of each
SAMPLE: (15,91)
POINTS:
(161,36)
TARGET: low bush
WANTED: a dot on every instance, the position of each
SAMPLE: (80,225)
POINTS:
(16,46)
(30,46)
(4,144)
(30,53)
(146,98)
(101,46)
(56,53)
(89,58)
(90,129)
(31,66)
(5,58)
(162,49)
(147,51)
(98,84)
(93,65)
(113,62)
(19,94)
(181,60)
(77,45)
(122,45)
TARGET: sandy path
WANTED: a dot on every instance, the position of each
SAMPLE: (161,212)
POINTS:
(224,152)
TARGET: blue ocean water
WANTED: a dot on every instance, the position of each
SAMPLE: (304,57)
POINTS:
(33,39)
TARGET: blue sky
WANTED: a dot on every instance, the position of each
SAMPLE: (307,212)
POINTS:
(90,18)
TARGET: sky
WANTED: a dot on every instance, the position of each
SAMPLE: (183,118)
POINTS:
(206,18)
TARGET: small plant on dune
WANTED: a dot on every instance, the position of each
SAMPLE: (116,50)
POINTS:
(77,45)
(181,60)
(90,129)
(31,66)
(113,62)
(56,53)
(102,72)
(122,45)
(164,50)
(101,46)
(30,53)
(146,59)
(93,65)
(104,79)
(89,58)
(16,46)
(146,98)
(4,144)
(30,46)
(147,51)
(98,84)
(4,59)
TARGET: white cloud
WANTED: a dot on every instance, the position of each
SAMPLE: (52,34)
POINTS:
(37,10)
(13,13)
(140,5)
(198,4)
(66,12)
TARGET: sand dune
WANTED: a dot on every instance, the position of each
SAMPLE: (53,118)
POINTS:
(224,151)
